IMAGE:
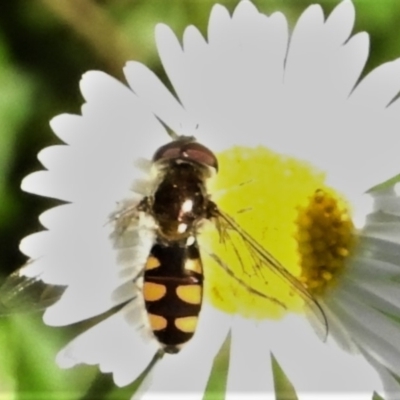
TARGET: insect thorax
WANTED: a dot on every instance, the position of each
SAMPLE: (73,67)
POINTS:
(180,201)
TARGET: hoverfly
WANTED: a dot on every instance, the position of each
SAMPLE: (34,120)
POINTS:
(172,276)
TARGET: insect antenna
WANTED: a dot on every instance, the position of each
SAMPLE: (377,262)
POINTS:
(173,135)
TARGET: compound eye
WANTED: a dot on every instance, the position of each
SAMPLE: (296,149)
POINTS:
(186,150)
(197,152)
(168,151)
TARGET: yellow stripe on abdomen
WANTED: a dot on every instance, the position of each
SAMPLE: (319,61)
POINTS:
(194,264)
(189,293)
(153,291)
(186,324)
(157,322)
(152,263)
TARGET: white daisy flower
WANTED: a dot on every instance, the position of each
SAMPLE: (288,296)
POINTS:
(299,142)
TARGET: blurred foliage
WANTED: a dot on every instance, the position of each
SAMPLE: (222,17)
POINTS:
(45,47)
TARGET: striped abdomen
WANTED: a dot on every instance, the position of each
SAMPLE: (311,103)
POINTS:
(173,291)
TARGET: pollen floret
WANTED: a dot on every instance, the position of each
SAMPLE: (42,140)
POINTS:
(325,239)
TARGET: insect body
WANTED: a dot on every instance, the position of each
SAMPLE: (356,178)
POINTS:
(173,275)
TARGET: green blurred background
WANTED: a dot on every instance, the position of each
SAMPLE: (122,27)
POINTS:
(45,47)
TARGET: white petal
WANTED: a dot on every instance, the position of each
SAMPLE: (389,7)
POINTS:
(340,22)
(375,251)
(35,244)
(387,231)
(219,25)
(383,296)
(338,331)
(318,81)
(81,301)
(391,387)
(74,177)
(68,128)
(327,369)
(369,328)
(73,255)
(79,251)
(319,66)
(188,371)
(366,269)
(117,345)
(69,216)
(250,370)
(193,40)
(156,96)
(306,34)
(170,52)
(45,184)
(360,205)
(379,87)
(377,323)
(387,200)
(116,121)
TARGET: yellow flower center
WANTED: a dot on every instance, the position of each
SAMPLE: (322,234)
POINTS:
(286,207)
(324,239)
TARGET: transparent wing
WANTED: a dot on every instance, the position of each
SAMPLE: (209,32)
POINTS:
(256,265)
(20,293)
